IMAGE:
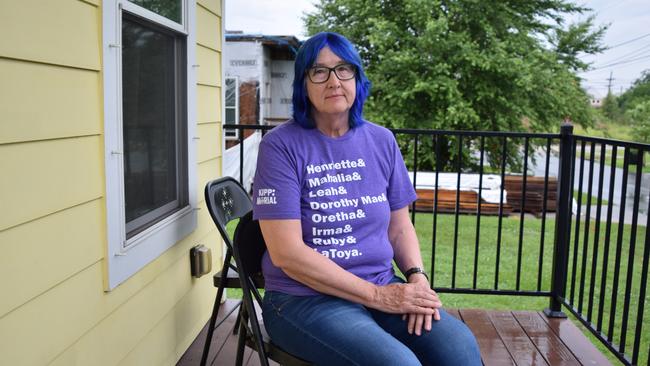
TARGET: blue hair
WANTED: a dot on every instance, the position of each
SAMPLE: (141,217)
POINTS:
(305,59)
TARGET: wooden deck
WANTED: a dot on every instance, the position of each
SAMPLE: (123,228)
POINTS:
(505,338)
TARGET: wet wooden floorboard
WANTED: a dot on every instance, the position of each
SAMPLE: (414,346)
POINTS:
(505,338)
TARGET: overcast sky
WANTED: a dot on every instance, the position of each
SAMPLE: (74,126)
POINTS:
(628,35)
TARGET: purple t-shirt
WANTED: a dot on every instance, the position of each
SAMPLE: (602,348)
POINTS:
(341,189)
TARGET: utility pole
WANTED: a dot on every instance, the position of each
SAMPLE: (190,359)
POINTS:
(609,85)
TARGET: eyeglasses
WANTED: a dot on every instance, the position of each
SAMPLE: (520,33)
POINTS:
(321,74)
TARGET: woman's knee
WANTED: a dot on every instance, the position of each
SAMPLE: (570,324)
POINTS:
(401,358)
(466,348)
(450,342)
(462,346)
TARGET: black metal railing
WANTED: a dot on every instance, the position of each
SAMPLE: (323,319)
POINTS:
(607,269)
(584,248)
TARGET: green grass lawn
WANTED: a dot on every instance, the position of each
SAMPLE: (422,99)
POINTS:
(530,275)
(606,130)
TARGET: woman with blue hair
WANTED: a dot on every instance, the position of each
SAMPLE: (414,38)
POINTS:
(332,194)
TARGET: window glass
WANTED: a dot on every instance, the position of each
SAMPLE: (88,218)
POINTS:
(231,107)
(170,9)
(230,116)
(230,92)
(151,137)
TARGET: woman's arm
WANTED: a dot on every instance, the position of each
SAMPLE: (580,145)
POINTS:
(404,240)
(289,253)
(406,247)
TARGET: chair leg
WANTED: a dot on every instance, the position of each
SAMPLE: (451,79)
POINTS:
(255,330)
(242,318)
(257,337)
(215,308)
(235,330)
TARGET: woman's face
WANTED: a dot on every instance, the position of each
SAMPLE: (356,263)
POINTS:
(333,96)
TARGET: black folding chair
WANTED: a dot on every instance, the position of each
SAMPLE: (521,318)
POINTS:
(225,204)
(227,200)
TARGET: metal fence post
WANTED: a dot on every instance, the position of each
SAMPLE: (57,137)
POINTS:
(562,221)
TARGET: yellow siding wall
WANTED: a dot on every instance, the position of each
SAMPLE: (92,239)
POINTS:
(53,309)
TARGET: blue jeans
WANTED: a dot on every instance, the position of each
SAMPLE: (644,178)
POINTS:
(327,330)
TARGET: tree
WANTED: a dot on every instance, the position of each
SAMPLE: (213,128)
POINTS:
(637,93)
(640,120)
(611,108)
(467,64)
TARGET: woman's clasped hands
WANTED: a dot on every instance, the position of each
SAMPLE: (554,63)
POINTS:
(414,299)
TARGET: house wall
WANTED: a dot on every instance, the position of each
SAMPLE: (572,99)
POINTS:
(53,308)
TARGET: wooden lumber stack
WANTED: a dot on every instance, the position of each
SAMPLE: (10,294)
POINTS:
(513,184)
(447,202)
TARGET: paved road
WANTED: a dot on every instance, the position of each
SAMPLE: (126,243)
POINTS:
(644,190)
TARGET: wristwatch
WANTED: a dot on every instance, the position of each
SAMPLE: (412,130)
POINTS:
(413,270)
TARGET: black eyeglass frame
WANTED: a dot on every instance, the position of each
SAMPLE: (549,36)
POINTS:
(329,72)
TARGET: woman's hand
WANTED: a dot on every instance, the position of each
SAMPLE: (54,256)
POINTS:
(417,321)
(406,298)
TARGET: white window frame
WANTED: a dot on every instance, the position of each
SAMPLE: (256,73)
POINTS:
(231,135)
(125,257)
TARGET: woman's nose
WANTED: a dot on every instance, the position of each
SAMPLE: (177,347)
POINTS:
(333,81)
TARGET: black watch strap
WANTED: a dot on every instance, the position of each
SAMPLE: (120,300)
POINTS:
(413,270)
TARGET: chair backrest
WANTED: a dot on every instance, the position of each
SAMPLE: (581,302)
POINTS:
(227,200)
(249,245)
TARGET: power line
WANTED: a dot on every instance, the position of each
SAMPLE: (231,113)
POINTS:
(621,62)
(634,53)
(604,81)
(630,41)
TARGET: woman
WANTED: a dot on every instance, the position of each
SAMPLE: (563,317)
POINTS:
(332,195)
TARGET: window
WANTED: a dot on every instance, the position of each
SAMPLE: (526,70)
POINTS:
(231,107)
(150,163)
(153,121)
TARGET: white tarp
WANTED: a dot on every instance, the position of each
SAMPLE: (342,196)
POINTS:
(281,89)
(231,160)
(244,60)
(490,190)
